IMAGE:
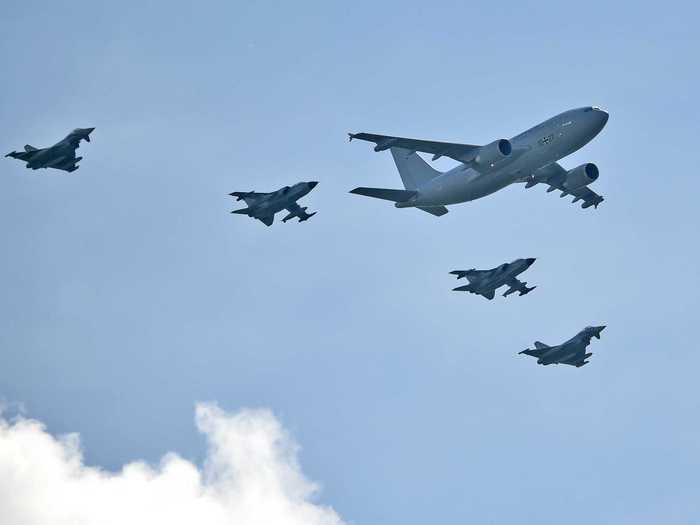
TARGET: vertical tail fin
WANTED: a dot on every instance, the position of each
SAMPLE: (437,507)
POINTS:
(413,169)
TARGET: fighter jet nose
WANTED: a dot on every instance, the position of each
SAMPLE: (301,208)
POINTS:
(312,184)
(530,261)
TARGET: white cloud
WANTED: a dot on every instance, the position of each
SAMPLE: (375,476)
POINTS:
(250,477)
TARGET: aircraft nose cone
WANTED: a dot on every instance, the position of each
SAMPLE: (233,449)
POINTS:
(312,184)
(530,261)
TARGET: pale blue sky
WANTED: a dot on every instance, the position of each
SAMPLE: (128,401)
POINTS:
(130,293)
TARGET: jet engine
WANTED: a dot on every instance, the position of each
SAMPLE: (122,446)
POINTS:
(581,176)
(493,153)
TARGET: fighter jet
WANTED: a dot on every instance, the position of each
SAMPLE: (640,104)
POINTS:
(530,157)
(485,282)
(60,156)
(572,352)
(263,206)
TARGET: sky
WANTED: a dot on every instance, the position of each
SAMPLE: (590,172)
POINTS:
(133,301)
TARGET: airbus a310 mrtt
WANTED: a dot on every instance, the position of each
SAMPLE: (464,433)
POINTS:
(530,157)
(572,352)
(485,282)
(60,156)
(263,206)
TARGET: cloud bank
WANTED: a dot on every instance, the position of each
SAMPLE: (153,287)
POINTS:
(251,476)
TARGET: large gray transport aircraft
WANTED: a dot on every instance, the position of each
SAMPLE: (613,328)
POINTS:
(485,282)
(60,156)
(530,157)
(572,352)
(263,206)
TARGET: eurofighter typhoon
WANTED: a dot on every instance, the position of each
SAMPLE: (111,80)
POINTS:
(486,282)
(263,206)
(530,158)
(572,352)
(60,156)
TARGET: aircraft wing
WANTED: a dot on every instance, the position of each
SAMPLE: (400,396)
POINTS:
(516,285)
(297,211)
(489,294)
(249,197)
(554,175)
(579,355)
(540,348)
(458,152)
(25,155)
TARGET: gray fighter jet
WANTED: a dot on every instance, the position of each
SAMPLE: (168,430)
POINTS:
(60,156)
(263,206)
(485,282)
(572,352)
(530,157)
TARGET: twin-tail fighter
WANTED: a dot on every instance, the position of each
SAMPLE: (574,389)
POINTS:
(60,156)
(529,158)
(486,282)
(263,206)
(572,352)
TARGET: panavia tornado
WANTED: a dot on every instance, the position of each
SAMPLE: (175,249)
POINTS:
(60,156)
(530,158)
(572,352)
(485,282)
(263,206)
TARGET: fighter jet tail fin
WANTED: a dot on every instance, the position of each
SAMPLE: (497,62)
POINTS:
(413,169)
(386,194)
(29,148)
(540,346)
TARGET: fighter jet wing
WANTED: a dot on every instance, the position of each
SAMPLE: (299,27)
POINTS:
(579,355)
(458,152)
(26,155)
(297,211)
(516,285)
(554,175)
(249,197)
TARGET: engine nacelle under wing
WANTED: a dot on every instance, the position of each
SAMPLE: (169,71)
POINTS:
(581,176)
(492,154)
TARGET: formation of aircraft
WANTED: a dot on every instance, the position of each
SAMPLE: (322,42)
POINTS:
(60,156)
(530,158)
(264,206)
(486,282)
(571,352)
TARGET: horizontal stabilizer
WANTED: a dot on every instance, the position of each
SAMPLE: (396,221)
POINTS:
(461,273)
(386,194)
(438,211)
(242,211)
